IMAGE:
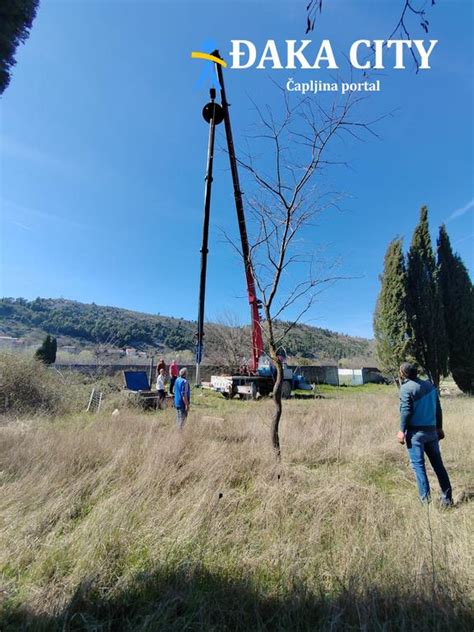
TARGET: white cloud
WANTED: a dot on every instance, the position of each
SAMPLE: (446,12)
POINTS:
(26,216)
(28,153)
(22,226)
(459,241)
(461,211)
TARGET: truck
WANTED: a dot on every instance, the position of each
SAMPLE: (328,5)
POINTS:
(259,383)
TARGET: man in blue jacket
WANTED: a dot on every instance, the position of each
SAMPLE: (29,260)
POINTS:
(182,398)
(421,427)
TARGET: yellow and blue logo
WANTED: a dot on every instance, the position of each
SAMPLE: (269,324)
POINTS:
(208,75)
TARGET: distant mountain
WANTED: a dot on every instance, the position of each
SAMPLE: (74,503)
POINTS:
(89,325)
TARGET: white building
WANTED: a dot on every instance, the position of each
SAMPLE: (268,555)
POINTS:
(350,377)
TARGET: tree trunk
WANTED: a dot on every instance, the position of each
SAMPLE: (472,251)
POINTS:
(434,377)
(278,406)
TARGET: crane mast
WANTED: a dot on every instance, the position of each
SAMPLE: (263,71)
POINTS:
(257,338)
(213,114)
(258,378)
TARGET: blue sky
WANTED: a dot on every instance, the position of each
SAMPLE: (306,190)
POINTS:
(103,153)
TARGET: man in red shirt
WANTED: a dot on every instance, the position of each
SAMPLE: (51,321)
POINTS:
(174,372)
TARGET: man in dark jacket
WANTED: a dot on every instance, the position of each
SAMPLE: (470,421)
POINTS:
(421,427)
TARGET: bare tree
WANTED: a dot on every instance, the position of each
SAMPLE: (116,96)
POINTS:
(287,154)
(101,349)
(227,341)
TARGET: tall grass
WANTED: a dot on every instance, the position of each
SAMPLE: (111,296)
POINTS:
(29,388)
(123,523)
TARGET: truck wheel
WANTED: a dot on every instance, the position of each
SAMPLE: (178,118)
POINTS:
(286,389)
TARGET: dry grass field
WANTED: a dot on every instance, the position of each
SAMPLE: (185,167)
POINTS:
(112,523)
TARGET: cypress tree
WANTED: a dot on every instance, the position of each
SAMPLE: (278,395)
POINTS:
(425,307)
(47,352)
(16,19)
(42,353)
(53,350)
(458,300)
(390,318)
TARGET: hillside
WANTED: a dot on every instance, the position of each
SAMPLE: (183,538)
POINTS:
(87,325)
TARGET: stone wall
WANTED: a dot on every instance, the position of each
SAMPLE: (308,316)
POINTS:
(319,374)
(312,374)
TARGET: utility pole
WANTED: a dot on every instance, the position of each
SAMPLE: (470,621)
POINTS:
(213,114)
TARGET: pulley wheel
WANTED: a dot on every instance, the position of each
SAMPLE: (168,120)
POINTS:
(209,108)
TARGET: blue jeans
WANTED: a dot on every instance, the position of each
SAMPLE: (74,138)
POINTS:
(427,441)
(181,415)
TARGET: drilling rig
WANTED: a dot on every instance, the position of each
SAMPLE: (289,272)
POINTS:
(258,377)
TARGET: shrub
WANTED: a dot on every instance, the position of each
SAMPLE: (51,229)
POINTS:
(47,352)
(27,386)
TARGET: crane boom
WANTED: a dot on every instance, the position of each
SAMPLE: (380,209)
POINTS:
(257,339)
(212,113)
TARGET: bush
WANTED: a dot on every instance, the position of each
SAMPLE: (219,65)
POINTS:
(28,386)
(47,352)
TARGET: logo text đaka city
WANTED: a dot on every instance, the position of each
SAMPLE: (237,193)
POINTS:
(307,55)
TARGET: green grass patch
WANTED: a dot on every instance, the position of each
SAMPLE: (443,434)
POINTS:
(349,391)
